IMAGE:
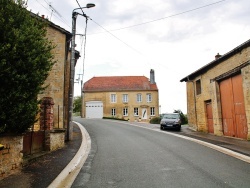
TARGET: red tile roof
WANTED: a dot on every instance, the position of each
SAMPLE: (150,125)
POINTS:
(119,83)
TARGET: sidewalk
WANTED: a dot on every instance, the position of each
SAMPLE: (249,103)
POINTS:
(44,169)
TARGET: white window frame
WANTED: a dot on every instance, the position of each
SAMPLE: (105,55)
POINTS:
(139,97)
(125,111)
(136,111)
(113,112)
(149,97)
(125,98)
(152,111)
(113,98)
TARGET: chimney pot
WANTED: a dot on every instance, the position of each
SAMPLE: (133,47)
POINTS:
(217,56)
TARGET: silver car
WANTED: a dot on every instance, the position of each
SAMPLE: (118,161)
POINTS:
(171,121)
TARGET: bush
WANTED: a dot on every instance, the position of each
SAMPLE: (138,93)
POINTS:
(115,118)
(155,120)
(184,119)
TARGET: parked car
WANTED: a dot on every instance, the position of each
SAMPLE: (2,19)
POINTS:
(170,121)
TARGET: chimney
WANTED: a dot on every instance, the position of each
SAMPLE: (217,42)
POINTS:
(217,56)
(152,76)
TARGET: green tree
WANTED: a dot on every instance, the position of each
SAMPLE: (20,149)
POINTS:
(77,104)
(25,61)
(184,119)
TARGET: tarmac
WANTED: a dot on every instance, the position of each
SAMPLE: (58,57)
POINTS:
(60,168)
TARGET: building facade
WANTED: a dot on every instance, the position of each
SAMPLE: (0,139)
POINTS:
(218,95)
(133,98)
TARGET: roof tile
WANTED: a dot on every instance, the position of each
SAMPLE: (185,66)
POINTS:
(118,83)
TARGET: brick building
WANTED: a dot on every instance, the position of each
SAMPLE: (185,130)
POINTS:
(218,94)
(134,98)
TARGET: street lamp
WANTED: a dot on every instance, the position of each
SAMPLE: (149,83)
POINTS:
(72,65)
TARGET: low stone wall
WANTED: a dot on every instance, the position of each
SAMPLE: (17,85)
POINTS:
(57,139)
(11,158)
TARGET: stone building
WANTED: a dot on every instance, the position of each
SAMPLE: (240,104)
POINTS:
(218,94)
(133,98)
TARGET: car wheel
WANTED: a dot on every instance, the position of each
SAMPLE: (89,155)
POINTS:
(178,129)
(162,128)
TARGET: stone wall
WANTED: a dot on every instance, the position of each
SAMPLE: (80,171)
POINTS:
(210,92)
(11,158)
(57,138)
(55,82)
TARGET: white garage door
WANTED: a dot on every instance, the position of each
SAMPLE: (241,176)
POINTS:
(94,109)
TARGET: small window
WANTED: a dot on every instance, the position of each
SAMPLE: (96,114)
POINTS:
(149,97)
(198,87)
(139,97)
(136,111)
(152,111)
(113,112)
(125,111)
(113,98)
(125,97)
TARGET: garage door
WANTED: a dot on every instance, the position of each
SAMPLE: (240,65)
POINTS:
(94,109)
(233,107)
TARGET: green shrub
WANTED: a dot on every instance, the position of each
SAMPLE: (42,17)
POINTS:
(115,118)
(155,120)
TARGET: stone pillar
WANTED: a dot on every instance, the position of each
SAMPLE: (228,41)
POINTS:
(46,114)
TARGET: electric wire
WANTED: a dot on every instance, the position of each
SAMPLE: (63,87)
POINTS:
(159,19)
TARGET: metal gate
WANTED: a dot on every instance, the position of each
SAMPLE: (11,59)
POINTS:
(209,114)
(233,107)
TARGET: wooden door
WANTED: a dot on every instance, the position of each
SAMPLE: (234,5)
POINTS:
(233,108)
(209,114)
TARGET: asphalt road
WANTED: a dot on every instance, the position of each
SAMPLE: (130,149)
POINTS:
(127,156)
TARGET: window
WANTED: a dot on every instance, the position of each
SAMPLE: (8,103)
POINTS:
(113,112)
(139,97)
(198,87)
(125,97)
(113,98)
(152,111)
(149,97)
(125,111)
(136,111)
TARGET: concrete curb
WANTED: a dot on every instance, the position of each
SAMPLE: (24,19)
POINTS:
(69,173)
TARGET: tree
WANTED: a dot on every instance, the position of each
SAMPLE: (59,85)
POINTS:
(77,104)
(25,61)
(184,119)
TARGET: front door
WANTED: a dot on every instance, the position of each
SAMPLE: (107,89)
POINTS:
(144,113)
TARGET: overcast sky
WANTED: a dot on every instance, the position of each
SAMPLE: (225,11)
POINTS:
(173,37)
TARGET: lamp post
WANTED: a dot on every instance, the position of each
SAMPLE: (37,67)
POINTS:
(72,66)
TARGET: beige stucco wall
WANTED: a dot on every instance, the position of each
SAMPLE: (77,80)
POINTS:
(210,91)
(119,105)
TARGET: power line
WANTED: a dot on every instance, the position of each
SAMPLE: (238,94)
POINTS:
(159,19)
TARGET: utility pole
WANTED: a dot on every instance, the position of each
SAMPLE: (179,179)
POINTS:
(72,77)
(72,70)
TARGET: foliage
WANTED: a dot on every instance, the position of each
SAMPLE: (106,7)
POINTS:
(25,61)
(77,103)
(184,119)
(155,120)
(115,118)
